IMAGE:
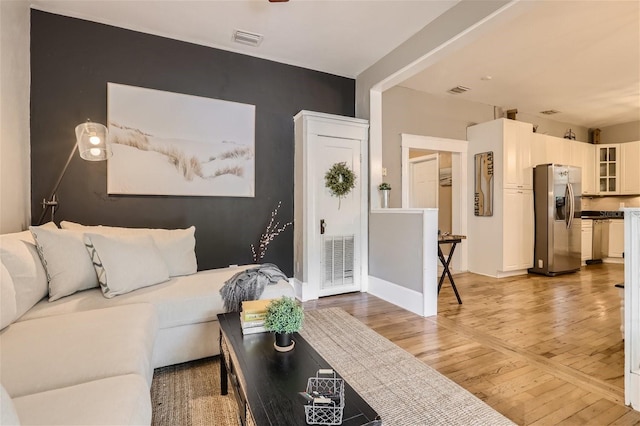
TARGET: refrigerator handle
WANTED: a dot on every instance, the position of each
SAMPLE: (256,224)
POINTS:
(572,206)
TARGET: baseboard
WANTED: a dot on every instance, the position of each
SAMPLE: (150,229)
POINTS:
(406,298)
(303,291)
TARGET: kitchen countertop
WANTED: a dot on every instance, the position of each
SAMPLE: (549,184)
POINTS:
(602,214)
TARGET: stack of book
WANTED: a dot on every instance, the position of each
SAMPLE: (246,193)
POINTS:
(253,315)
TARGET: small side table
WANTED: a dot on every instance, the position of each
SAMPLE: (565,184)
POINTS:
(453,240)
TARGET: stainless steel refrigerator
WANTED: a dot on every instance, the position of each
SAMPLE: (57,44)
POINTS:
(557,205)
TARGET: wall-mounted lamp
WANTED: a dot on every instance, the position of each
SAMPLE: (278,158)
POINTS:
(91,142)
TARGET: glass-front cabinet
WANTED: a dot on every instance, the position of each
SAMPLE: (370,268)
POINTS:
(607,169)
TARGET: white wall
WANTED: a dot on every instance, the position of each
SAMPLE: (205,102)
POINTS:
(14,116)
(418,113)
(626,132)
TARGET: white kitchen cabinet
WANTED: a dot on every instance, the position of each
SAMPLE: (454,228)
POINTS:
(503,242)
(583,156)
(517,165)
(630,168)
(558,150)
(615,243)
(517,232)
(587,239)
(607,170)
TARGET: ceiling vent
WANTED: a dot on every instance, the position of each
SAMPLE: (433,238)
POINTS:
(245,37)
(458,89)
(549,112)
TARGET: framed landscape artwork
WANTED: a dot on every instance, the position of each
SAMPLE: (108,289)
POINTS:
(174,144)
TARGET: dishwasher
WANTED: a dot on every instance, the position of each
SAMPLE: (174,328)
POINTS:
(599,240)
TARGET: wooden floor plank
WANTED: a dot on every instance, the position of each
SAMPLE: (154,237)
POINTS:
(540,350)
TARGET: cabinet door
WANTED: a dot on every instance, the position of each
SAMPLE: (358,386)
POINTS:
(516,153)
(630,168)
(583,156)
(558,150)
(517,244)
(607,171)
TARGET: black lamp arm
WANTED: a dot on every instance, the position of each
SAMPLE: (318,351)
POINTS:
(52,201)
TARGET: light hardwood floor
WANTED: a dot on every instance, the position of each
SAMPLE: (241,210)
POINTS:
(540,350)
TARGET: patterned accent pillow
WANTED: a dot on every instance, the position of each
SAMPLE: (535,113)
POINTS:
(97,265)
(125,263)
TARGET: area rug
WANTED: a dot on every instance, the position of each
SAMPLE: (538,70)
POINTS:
(402,389)
(189,395)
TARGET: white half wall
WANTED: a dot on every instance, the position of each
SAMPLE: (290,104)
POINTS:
(15,77)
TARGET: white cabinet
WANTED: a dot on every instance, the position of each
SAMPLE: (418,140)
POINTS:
(558,150)
(630,168)
(330,234)
(607,171)
(517,233)
(587,239)
(518,173)
(583,156)
(615,243)
(503,243)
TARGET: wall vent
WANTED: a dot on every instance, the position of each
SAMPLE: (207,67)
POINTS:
(458,89)
(246,37)
(549,112)
(337,261)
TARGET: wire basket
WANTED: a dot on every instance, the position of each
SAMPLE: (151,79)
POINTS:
(328,402)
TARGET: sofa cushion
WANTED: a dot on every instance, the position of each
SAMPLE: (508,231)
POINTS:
(65,258)
(8,412)
(64,350)
(181,300)
(119,400)
(7,298)
(20,256)
(177,246)
(124,263)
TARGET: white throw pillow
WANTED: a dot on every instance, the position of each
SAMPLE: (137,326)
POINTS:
(7,298)
(125,263)
(66,261)
(20,256)
(8,414)
(177,246)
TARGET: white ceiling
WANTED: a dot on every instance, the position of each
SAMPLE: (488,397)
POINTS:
(579,57)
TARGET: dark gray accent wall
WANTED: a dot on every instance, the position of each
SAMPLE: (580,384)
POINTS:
(71,62)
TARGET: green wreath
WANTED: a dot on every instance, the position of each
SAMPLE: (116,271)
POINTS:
(340,180)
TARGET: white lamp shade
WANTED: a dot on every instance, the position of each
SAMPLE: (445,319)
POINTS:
(92,141)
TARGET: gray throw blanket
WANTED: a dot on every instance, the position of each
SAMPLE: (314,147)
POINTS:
(249,285)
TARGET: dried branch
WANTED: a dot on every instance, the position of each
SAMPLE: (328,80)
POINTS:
(273,230)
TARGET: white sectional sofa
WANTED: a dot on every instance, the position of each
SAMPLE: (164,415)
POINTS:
(88,359)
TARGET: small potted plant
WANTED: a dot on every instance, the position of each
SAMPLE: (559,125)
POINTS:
(284,317)
(385,188)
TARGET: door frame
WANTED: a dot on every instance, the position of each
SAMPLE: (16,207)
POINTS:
(411,164)
(459,181)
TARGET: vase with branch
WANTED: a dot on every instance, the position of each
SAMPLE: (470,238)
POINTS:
(274,228)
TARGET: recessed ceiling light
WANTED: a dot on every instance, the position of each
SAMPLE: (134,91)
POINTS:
(458,89)
(549,112)
(248,38)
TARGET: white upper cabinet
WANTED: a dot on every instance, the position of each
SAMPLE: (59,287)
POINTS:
(583,156)
(630,168)
(518,172)
(607,170)
(558,150)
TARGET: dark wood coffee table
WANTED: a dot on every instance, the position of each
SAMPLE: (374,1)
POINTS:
(266,382)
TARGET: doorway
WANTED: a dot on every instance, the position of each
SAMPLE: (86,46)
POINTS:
(456,175)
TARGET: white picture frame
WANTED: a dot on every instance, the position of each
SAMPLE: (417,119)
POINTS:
(168,143)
